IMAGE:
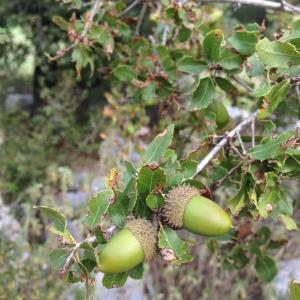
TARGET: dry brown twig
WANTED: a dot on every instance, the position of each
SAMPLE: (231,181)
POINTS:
(90,17)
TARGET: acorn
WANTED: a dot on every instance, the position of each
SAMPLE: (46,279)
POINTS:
(222,116)
(185,207)
(129,247)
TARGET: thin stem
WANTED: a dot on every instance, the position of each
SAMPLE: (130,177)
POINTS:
(165,34)
(129,8)
(244,151)
(240,155)
(140,20)
(80,38)
(220,181)
(298,92)
(73,253)
(241,83)
(223,142)
(253,132)
(283,5)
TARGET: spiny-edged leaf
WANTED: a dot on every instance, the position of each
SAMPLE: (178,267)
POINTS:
(131,192)
(277,54)
(262,90)
(98,206)
(273,98)
(155,201)
(60,22)
(124,72)
(289,222)
(267,201)
(265,268)
(203,94)
(103,36)
(237,202)
(294,36)
(129,172)
(58,258)
(83,57)
(136,272)
(159,145)
(230,60)
(255,66)
(149,179)
(269,148)
(119,209)
(176,249)
(291,167)
(56,217)
(244,42)
(190,65)
(294,290)
(212,44)
(183,34)
(114,280)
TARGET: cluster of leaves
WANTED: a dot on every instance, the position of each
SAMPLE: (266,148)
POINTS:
(142,195)
(172,57)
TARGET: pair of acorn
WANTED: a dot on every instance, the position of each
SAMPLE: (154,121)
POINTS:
(136,242)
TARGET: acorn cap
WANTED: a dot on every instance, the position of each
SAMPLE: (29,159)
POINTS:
(146,234)
(176,201)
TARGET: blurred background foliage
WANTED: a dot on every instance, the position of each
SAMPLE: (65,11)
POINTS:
(60,134)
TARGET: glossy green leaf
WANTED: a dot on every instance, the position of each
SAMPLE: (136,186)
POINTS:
(203,94)
(131,192)
(60,22)
(212,44)
(273,98)
(149,179)
(237,202)
(98,206)
(270,148)
(155,201)
(114,280)
(124,73)
(159,145)
(58,258)
(136,272)
(277,54)
(103,36)
(230,60)
(265,268)
(267,201)
(119,209)
(56,217)
(190,65)
(289,222)
(243,42)
(294,290)
(172,247)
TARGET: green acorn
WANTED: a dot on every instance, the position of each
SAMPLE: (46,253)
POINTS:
(222,116)
(185,207)
(133,244)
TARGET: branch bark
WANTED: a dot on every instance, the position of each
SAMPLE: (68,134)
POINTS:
(282,5)
(223,142)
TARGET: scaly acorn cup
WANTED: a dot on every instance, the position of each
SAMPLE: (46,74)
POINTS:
(133,244)
(185,207)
